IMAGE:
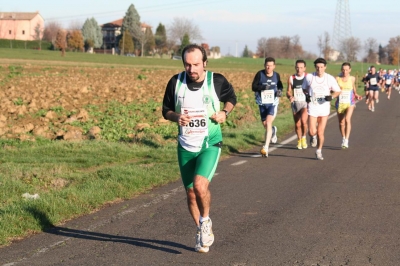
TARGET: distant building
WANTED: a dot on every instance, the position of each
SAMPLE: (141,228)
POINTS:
(23,26)
(112,30)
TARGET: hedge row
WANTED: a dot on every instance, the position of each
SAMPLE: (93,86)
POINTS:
(18,44)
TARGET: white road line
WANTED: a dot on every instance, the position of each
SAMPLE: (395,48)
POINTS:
(239,162)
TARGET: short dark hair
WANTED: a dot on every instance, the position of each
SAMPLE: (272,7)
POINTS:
(191,47)
(269,59)
(346,64)
(319,60)
(300,61)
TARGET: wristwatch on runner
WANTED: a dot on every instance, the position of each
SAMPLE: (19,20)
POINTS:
(226,112)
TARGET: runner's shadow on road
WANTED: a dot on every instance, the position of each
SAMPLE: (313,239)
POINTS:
(48,227)
(160,245)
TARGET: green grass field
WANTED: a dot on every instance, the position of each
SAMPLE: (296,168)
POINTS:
(76,178)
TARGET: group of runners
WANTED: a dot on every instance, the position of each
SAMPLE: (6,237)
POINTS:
(310,95)
(193,100)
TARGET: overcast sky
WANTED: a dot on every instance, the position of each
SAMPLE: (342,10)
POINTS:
(232,24)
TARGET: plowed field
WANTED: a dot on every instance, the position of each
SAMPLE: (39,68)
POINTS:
(59,102)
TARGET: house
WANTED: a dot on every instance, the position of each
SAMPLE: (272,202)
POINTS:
(112,30)
(24,26)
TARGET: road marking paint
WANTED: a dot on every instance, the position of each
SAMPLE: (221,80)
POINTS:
(239,162)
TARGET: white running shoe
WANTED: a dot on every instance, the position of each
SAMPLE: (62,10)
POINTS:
(318,155)
(274,138)
(206,233)
(198,247)
(377,100)
(345,144)
(264,151)
(343,139)
(373,109)
(313,141)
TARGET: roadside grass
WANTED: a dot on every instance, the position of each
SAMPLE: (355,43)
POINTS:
(76,178)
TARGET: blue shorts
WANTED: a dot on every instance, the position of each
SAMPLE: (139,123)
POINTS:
(387,86)
(373,88)
(266,110)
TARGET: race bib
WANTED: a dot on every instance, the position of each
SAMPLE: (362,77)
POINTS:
(318,98)
(344,97)
(267,96)
(299,95)
(388,81)
(198,125)
(372,81)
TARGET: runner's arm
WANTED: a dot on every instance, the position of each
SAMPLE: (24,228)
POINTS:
(255,85)
(168,109)
(289,93)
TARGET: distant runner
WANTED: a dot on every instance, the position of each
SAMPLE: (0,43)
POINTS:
(298,102)
(388,80)
(373,79)
(267,87)
(345,103)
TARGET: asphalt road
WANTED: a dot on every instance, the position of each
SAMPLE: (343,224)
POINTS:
(288,209)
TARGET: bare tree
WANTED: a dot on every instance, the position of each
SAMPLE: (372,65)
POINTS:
(142,35)
(262,47)
(286,47)
(182,26)
(323,44)
(297,48)
(75,25)
(371,49)
(50,31)
(38,34)
(349,48)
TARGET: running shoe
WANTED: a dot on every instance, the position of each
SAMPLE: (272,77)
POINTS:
(304,143)
(343,139)
(377,100)
(198,247)
(274,138)
(388,97)
(313,141)
(299,144)
(345,144)
(264,151)
(318,155)
(373,109)
(206,233)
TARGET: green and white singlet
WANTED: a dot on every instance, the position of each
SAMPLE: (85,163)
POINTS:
(200,104)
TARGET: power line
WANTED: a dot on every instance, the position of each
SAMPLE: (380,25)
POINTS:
(144,10)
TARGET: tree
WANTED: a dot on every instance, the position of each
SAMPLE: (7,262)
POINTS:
(246,52)
(92,34)
(262,47)
(184,43)
(371,48)
(75,40)
(131,23)
(150,46)
(39,34)
(324,46)
(126,43)
(382,55)
(392,49)
(161,39)
(182,26)
(50,31)
(61,41)
(349,48)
